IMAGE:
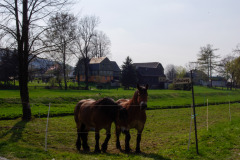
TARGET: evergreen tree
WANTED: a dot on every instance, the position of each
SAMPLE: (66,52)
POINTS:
(77,69)
(129,76)
(8,66)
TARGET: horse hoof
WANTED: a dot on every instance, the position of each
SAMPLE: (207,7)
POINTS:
(97,151)
(78,148)
(86,149)
(138,151)
(104,148)
(127,150)
(119,147)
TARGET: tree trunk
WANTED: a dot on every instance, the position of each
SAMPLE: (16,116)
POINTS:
(64,65)
(86,73)
(64,76)
(210,70)
(78,78)
(23,83)
(23,47)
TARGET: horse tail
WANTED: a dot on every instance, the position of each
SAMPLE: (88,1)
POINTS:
(77,114)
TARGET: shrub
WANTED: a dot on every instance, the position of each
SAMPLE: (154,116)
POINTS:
(52,82)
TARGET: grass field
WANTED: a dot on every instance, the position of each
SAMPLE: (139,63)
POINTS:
(63,102)
(165,136)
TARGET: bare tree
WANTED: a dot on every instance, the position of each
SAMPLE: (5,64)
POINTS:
(86,31)
(170,71)
(100,45)
(223,68)
(237,49)
(22,24)
(60,37)
(229,68)
(191,66)
(207,60)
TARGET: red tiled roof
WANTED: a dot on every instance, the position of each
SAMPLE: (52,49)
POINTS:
(96,60)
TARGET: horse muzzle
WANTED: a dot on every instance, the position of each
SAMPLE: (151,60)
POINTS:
(143,105)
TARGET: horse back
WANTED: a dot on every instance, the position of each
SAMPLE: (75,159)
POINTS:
(77,110)
(96,114)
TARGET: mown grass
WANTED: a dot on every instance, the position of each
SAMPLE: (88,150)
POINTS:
(165,137)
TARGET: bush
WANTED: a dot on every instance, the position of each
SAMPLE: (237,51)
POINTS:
(8,86)
(179,87)
(52,82)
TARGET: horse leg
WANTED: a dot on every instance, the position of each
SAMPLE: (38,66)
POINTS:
(108,136)
(97,137)
(127,139)
(78,143)
(118,132)
(84,137)
(139,135)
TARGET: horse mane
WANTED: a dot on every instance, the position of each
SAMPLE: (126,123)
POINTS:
(134,98)
(106,101)
(135,95)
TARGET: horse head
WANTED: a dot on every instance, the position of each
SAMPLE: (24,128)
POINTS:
(142,96)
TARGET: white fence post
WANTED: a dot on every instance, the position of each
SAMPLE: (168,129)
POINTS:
(47,127)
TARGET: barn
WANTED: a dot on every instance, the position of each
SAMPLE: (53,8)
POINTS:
(151,73)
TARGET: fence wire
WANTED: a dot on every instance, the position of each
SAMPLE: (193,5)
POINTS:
(201,124)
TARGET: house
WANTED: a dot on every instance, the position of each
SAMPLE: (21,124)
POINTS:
(38,67)
(56,70)
(219,81)
(151,73)
(116,71)
(101,70)
(199,77)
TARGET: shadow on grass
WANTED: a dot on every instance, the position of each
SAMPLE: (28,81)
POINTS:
(149,155)
(129,155)
(16,131)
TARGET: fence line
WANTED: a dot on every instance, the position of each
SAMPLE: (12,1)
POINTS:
(189,142)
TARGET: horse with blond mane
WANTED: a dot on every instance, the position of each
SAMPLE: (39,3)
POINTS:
(136,110)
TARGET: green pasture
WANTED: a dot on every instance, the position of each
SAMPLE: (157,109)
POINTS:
(62,102)
(165,136)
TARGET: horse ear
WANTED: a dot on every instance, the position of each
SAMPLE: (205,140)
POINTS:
(138,86)
(146,86)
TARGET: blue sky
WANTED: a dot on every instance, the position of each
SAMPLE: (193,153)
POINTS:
(165,31)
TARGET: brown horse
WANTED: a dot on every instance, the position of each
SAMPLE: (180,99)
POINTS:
(96,115)
(136,117)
